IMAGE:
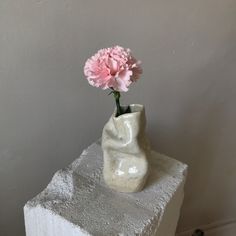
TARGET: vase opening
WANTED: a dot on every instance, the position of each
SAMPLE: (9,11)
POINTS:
(133,108)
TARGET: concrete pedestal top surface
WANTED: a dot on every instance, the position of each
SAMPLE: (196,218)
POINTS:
(78,202)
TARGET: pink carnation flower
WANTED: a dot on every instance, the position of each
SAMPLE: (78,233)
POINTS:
(114,68)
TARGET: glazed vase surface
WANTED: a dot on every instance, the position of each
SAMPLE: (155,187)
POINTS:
(126,150)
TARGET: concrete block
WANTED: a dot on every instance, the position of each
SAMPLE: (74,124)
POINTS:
(77,201)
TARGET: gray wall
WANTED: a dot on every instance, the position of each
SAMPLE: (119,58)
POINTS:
(49,113)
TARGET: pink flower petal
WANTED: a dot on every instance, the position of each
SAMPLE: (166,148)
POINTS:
(112,67)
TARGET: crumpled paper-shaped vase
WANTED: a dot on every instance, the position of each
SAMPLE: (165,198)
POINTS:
(126,150)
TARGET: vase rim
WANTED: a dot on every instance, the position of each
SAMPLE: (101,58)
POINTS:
(140,108)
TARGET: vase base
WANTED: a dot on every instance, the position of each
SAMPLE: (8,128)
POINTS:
(126,186)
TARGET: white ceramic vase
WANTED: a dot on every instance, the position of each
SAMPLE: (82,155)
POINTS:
(126,150)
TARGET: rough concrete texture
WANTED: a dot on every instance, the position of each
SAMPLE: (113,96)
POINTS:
(77,201)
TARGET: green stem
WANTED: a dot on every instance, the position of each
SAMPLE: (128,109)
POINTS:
(117,99)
